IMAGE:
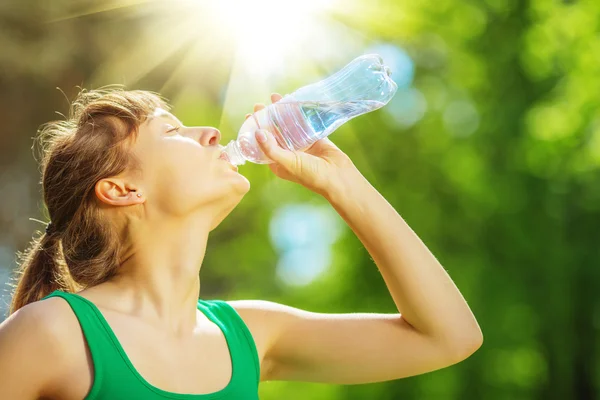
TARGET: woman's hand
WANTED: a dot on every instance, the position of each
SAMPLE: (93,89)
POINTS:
(318,168)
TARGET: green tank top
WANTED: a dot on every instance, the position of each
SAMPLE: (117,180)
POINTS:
(115,377)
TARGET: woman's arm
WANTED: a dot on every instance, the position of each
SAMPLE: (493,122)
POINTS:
(434,327)
(422,290)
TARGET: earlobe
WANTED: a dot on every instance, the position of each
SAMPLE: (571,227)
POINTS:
(114,192)
(132,198)
(140,198)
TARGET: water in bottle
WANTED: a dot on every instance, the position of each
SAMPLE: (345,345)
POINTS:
(313,112)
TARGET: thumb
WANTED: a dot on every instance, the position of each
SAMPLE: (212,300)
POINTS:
(272,150)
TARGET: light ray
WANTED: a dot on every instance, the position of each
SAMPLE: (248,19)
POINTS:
(135,62)
(104,7)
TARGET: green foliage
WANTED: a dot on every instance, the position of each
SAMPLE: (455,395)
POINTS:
(499,178)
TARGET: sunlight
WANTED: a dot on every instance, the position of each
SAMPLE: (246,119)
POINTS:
(274,41)
(235,51)
(266,31)
(101,7)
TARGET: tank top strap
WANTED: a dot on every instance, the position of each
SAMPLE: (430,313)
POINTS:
(242,347)
(101,346)
(115,376)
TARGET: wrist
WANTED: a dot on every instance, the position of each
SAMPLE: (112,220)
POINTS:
(346,183)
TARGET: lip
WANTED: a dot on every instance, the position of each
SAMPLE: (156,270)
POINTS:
(223,156)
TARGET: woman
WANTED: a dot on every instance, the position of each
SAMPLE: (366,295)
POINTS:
(107,306)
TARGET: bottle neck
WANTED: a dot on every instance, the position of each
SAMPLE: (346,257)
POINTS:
(234,153)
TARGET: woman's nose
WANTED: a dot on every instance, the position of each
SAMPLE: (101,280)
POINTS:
(209,136)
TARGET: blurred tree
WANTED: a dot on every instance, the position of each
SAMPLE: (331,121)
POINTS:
(499,177)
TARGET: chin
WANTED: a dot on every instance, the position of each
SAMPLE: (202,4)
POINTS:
(240,185)
(239,191)
(226,208)
(228,202)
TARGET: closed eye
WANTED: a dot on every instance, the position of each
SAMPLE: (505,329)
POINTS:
(173,129)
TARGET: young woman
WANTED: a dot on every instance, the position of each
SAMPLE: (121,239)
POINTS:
(106,307)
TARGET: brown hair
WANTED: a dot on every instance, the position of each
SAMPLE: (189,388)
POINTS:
(82,249)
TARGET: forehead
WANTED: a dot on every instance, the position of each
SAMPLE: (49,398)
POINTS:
(150,129)
(162,113)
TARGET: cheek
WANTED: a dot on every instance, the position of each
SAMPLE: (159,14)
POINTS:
(219,183)
(183,178)
(176,191)
(184,165)
(200,180)
(172,177)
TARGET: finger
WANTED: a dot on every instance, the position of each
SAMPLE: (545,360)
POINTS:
(272,150)
(258,107)
(275,97)
(323,144)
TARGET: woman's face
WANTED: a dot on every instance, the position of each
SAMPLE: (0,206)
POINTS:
(182,171)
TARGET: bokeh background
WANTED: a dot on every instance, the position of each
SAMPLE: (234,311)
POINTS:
(490,150)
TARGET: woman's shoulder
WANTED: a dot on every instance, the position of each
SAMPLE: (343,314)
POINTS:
(50,320)
(39,340)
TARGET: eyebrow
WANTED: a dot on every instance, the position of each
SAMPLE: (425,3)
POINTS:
(164,115)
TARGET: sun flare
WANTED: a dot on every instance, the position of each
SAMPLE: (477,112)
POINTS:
(266,31)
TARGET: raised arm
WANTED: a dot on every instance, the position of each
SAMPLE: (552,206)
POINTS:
(433,329)
(422,290)
(434,326)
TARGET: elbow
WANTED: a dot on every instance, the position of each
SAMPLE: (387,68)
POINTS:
(473,345)
(458,342)
(465,345)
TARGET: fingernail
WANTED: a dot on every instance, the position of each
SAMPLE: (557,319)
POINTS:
(260,136)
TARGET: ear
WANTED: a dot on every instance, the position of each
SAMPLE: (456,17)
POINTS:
(117,192)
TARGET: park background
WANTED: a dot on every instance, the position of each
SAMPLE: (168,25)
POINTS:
(490,150)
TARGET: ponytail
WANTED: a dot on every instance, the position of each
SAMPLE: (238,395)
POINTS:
(93,143)
(42,270)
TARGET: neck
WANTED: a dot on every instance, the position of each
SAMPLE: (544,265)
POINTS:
(158,279)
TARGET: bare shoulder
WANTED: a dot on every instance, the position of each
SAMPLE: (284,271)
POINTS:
(45,320)
(263,316)
(263,319)
(45,329)
(253,313)
(36,343)
(258,308)
(266,319)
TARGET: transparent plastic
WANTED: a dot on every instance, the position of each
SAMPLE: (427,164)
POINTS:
(313,112)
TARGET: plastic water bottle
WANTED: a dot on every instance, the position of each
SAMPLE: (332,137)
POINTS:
(313,112)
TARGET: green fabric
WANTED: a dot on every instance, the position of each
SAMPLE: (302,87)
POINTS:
(115,378)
